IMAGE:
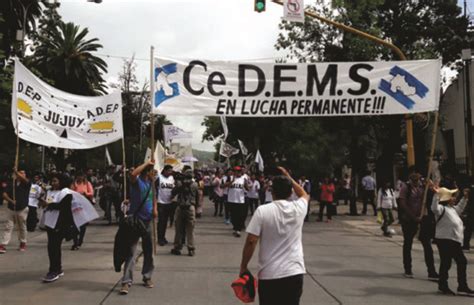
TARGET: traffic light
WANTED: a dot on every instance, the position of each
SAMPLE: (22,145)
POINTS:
(260,5)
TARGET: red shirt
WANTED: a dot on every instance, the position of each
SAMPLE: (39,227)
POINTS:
(327,191)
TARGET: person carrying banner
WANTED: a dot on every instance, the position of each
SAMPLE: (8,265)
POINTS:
(278,227)
(236,198)
(164,187)
(410,206)
(141,205)
(17,210)
(187,192)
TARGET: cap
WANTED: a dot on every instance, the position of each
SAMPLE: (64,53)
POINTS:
(237,168)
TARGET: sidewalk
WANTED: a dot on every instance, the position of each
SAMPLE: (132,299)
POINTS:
(348,262)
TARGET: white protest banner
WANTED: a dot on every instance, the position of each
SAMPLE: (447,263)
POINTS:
(51,117)
(218,88)
(227,150)
(293,10)
(244,149)
(173,132)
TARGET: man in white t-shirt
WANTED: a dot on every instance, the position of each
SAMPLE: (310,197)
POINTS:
(278,226)
(236,200)
(164,187)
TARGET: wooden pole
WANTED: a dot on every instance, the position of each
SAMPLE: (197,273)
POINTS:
(430,161)
(152,131)
(124,169)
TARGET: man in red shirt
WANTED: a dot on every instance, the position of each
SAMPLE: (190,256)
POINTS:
(327,198)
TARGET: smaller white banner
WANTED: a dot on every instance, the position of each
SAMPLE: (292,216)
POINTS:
(244,149)
(227,150)
(172,132)
(293,10)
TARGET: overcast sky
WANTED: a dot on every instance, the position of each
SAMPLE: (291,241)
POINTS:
(207,29)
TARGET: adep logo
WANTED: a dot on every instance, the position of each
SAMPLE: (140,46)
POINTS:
(402,86)
(165,87)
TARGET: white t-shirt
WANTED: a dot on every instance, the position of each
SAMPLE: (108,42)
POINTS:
(253,190)
(35,194)
(268,192)
(237,190)
(165,187)
(280,228)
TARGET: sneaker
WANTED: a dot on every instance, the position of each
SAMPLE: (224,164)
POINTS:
(124,289)
(433,276)
(175,252)
(61,273)
(22,247)
(191,252)
(237,234)
(445,291)
(161,243)
(148,283)
(74,248)
(465,291)
(227,221)
(51,277)
(387,234)
(3,250)
(408,275)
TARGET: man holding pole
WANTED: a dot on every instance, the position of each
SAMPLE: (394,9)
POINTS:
(143,207)
(17,210)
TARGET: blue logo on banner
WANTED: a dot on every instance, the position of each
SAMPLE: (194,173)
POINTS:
(402,86)
(164,88)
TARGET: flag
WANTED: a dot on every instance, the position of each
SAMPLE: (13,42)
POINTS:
(227,150)
(147,155)
(107,156)
(44,115)
(171,132)
(160,155)
(224,127)
(244,149)
(259,161)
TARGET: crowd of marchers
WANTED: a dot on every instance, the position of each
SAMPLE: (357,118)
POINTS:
(439,212)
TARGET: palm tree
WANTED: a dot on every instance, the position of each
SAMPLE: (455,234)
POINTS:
(64,55)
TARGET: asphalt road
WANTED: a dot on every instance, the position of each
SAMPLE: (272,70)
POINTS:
(348,262)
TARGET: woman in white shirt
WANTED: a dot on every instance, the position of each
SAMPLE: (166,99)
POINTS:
(59,224)
(386,201)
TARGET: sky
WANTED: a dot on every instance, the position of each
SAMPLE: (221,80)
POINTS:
(201,29)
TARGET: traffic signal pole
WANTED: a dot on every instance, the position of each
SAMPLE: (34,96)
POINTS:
(377,40)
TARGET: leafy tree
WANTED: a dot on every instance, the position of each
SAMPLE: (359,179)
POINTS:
(136,113)
(421,28)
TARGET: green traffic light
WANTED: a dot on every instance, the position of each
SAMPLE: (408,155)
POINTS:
(260,6)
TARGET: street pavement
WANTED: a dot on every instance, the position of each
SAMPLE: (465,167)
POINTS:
(348,262)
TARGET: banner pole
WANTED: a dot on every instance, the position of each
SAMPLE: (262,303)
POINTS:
(430,161)
(124,169)
(15,168)
(152,126)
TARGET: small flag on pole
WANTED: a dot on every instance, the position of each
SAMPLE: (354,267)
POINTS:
(107,156)
(259,161)
(244,149)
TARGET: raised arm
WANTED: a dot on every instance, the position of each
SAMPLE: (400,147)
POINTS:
(137,171)
(299,190)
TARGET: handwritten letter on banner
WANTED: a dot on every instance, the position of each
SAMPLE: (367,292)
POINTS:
(50,117)
(218,88)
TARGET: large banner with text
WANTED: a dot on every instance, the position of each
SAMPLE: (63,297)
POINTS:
(51,117)
(220,88)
